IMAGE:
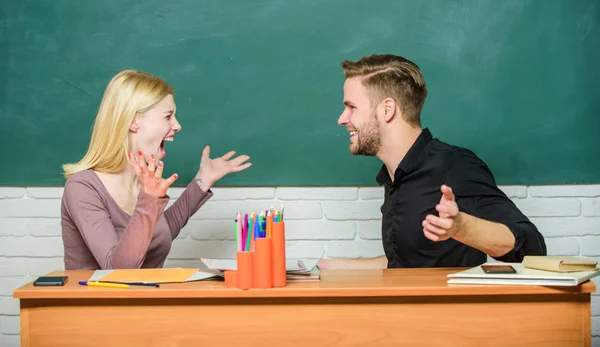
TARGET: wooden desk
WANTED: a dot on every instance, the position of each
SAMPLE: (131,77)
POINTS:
(409,307)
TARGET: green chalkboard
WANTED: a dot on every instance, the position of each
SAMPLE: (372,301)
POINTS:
(516,81)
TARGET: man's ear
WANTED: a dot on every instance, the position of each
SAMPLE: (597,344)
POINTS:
(135,125)
(389,109)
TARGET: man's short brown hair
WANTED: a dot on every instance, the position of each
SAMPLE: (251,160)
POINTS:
(386,75)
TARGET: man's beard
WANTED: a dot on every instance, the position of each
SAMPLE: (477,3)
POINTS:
(369,139)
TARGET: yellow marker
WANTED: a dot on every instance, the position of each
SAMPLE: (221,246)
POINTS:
(104,284)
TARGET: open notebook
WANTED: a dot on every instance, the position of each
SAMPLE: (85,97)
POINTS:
(165,275)
(523,276)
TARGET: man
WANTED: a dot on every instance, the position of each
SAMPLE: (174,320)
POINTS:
(442,207)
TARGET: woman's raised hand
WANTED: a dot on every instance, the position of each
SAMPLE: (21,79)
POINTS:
(150,176)
(212,170)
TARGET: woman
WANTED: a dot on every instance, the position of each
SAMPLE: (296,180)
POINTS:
(113,206)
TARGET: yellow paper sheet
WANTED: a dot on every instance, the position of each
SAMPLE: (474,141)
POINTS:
(176,275)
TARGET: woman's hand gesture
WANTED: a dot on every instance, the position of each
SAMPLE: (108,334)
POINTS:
(212,170)
(150,176)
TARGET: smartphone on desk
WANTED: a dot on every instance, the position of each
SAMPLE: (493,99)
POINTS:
(51,281)
(498,269)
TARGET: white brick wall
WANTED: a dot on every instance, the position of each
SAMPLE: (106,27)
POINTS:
(321,222)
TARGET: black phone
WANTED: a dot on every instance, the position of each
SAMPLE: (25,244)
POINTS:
(498,269)
(51,281)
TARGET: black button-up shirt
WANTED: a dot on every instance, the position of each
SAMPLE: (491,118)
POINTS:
(415,192)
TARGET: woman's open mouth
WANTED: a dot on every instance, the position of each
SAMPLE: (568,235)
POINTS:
(162,151)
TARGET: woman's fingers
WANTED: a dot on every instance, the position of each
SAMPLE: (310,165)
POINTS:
(150,174)
(239,160)
(134,164)
(159,170)
(170,180)
(142,163)
(228,155)
(240,168)
(152,164)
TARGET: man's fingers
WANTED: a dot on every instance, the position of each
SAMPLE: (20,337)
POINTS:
(451,209)
(447,192)
(433,229)
(444,223)
(430,235)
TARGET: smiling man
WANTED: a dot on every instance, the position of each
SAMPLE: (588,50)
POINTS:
(442,207)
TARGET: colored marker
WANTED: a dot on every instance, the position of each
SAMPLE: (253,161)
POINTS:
(104,284)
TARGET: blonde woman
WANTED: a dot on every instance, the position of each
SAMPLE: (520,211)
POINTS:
(113,206)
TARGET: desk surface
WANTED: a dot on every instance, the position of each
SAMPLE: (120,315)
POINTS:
(334,283)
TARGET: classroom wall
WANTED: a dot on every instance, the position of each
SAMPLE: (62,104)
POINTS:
(321,222)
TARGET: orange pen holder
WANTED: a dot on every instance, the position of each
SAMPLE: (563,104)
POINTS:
(278,254)
(263,269)
(231,279)
(265,266)
(245,270)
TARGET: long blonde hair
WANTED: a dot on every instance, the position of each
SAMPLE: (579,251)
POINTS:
(128,94)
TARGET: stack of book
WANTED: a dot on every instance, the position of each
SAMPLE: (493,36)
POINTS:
(534,270)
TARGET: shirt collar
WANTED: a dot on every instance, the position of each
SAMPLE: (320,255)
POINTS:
(407,164)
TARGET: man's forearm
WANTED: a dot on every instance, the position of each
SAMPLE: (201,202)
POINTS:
(351,263)
(494,239)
